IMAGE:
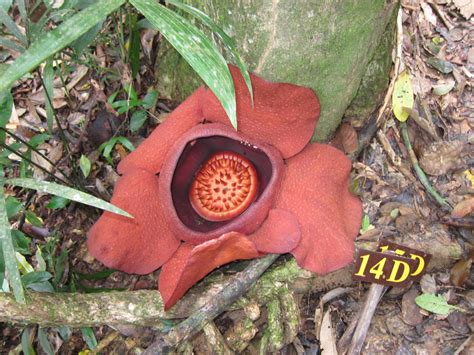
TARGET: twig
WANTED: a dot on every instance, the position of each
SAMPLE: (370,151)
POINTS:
(234,289)
(464,222)
(441,15)
(419,172)
(365,318)
(37,151)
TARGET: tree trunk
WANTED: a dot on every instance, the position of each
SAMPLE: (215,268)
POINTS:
(323,44)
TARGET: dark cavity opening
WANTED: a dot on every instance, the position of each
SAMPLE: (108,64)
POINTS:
(194,155)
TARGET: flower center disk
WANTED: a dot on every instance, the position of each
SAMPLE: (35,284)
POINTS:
(224,187)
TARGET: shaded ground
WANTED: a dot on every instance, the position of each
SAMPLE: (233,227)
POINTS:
(437,53)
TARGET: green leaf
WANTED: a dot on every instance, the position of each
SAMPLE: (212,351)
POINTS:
(48,76)
(196,49)
(86,39)
(402,97)
(44,342)
(22,8)
(443,89)
(12,27)
(6,106)
(6,4)
(126,143)
(366,226)
(67,192)
(57,202)
(33,219)
(435,303)
(55,40)
(38,139)
(35,277)
(227,41)
(13,206)
(44,286)
(137,120)
(134,46)
(89,337)
(21,242)
(26,342)
(5,42)
(85,165)
(440,65)
(39,259)
(99,275)
(60,266)
(106,149)
(150,99)
(65,332)
(9,256)
(23,264)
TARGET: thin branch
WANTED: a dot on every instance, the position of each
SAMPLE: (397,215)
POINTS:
(365,317)
(33,163)
(37,151)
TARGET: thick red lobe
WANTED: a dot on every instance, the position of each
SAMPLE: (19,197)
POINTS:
(312,215)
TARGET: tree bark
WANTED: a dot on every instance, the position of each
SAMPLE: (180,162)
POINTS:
(326,45)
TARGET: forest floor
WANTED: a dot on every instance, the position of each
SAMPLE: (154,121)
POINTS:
(436,51)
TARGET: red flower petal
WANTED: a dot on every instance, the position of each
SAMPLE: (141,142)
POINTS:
(280,233)
(138,245)
(283,115)
(151,153)
(315,190)
(191,263)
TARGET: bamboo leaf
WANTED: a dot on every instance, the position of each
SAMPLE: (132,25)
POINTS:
(5,42)
(89,337)
(55,40)
(196,49)
(66,192)
(9,256)
(227,41)
(48,76)
(44,342)
(12,26)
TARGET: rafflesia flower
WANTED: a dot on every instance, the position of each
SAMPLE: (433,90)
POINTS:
(203,194)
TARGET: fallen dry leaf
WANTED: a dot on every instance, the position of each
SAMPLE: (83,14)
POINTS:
(411,313)
(460,272)
(328,336)
(466,7)
(345,138)
(440,157)
(463,208)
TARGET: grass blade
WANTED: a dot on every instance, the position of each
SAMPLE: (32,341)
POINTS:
(9,257)
(5,42)
(48,76)
(196,49)
(227,41)
(22,8)
(55,40)
(12,26)
(66,192)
